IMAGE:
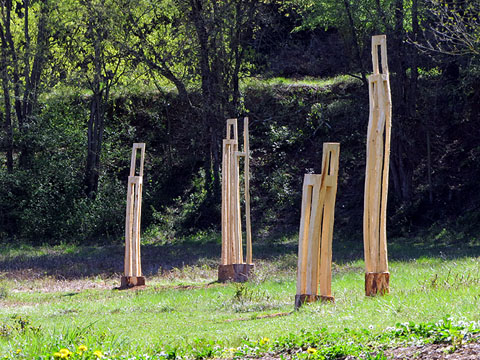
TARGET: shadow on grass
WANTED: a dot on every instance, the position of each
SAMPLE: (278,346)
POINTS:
(107,260)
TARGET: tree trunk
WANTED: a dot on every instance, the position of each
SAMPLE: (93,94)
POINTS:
(14,61)
(211,101)
(401,156)
(414,62)
(6,99)
(31,91)
(356,44)
(32,74)
(95,125)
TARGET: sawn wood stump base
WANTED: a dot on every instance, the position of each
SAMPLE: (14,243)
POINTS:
(127,282)
(301,299)
(235,272)
(377,283)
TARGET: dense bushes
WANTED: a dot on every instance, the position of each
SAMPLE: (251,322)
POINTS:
(289,121)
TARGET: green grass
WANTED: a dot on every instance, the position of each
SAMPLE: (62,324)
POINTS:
(306,81)
(183,312)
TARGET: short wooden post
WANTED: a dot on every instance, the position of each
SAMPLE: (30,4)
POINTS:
(377,276)
(133,267)
(232,265)
(316,230)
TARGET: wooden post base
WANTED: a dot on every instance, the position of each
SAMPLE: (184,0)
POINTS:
(377,283)
(235,272)
(127,282)
(305,298)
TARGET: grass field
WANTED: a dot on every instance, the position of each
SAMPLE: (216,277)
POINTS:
(54,298)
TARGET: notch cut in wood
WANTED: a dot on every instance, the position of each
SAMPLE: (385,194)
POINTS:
(376,177)
(316,230)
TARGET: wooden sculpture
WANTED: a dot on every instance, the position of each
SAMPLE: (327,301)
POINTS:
(316,230)
(232,265)
(133,267)
(376,178)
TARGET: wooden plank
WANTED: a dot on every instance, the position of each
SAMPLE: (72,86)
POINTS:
(332,151)
(367,226)
(231,213)
(303,235)
(376,180)
(239,236)
(318,200)
(385,98)
(248,225)
(224,205)
(379,41)
(232,206)
(128,230)
(383,263)
(135,180)
(133,161)
(325,268)
(377,168)
(232,124)
(139,262)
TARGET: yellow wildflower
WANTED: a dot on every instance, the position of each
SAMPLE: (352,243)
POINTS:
(98,354)
(311,350)
(65,353)
(57,355)
(19,351)
(264,341)
(82,348)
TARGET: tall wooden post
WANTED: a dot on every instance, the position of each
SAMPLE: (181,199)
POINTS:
(133,266)
(377,277)
(232,265)
(316,230)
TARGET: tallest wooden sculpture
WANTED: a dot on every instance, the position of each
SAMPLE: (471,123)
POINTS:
(376,178)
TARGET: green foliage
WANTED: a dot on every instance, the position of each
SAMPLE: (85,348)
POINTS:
(250,299)
(291,123)
(19,326)
(132,54)
(456,28)
(3,292)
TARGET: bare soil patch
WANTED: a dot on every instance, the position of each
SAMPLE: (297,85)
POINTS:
(469,351)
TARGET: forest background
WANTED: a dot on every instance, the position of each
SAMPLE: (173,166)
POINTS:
(84,79)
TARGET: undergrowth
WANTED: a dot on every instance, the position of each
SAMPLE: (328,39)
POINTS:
(78,343)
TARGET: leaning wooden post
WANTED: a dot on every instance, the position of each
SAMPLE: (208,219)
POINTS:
(377,277)
(248,226)
(316,230)
(232,265)
(133,267)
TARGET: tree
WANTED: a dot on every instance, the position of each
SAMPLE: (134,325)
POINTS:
(90,37)
(24,51)
(206,40)
(455,29)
